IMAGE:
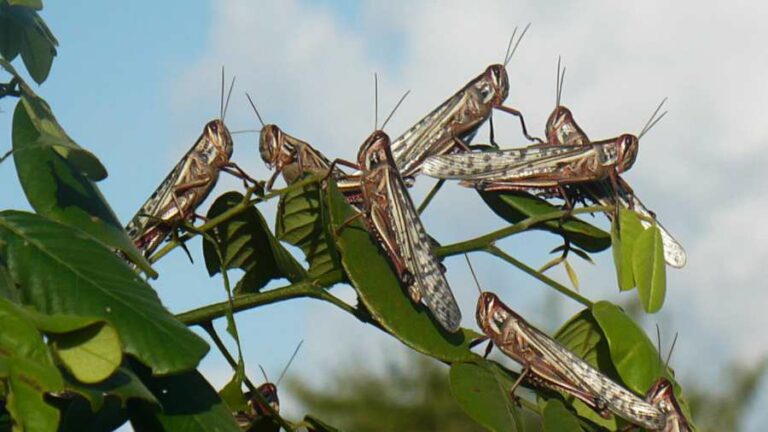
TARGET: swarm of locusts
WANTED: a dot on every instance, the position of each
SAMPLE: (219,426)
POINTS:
(566,164)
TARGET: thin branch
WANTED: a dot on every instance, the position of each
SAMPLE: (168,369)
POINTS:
(208,327)
(479,243)
(307,288)
(430,195)
(493,250)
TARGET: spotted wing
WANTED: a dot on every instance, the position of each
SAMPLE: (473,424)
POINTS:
(418,257)
(514,164)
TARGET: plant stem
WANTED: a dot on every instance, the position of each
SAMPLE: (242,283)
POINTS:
(430,195)
(308,288)
(479,243)
(493,250)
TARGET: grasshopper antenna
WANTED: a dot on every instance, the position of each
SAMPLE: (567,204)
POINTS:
(285,369)
(560,80)
(244,131)
(658,343)
(263,372)
(509,45)
(221,102)
(375,101)
(229,94)
(474,276)
(395,108)
(253,105)
(512,53)
(651,122)
(669,355)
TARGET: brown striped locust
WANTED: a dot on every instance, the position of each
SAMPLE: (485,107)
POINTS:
(548,364)
(563,130)
(662,396)
(393,222)
(268,392)
(187,185)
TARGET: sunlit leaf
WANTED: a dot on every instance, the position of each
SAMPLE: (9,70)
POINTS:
(517,206)
(63,271)
(378,287)
(624,232)
(572,276)
(482,389)
(34,4)
(650,269)
(246,242)
(633,354)
(91,354)
(302,220)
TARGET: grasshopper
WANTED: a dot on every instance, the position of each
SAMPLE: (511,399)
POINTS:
(392,220)
(562,129)
(451,126)
(187,185)
(548,364)
(662,396)
(268,391)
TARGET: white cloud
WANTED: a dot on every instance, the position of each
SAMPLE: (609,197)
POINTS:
(697,170)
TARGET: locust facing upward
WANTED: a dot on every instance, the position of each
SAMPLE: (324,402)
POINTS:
(548,364)
(662,396)
(393,221)
(186,187)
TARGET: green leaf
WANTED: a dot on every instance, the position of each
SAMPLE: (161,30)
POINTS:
(482,390)
(62,270)
(557,418)
(301,220)
(37,53)
(57,191)
(10,35)
(123,385)
(633,354)
(33,4)
(232,392)
(28,370)
(91,354)
(246,243)
(650,269)
(624,232)
(582,335)
(189,403)
(574,278)
(517,206)
(378,287)
(8,288)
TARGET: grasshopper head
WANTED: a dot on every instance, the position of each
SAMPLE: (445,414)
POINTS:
(270,144)
(374,151)
(662,396)
(491,314)
(494,85)
(218,134)
(269,392)
(627,146)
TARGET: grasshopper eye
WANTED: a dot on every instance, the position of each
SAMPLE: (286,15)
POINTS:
(213,127)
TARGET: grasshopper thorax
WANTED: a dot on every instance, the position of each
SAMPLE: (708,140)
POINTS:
(218,135)
(375,151)
(662,396)
(627,146)
(493,86)
(270,144)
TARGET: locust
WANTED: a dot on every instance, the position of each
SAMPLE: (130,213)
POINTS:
(392,220)
(662,396)
(186,186)
(451,126)
(268,391)
(548,364)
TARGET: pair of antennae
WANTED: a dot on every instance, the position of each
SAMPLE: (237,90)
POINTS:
(376,104)
(560,80)
(671,348)
(223,106)
(510,50)
(653,120)
(285,369)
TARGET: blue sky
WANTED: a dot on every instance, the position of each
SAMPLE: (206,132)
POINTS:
(136,81)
